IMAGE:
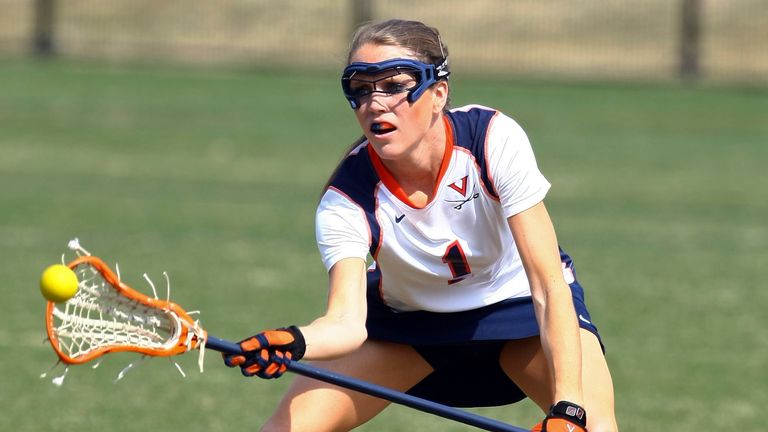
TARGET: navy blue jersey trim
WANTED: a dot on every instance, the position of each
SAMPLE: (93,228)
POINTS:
(470,129)
(357,178)
(373,287)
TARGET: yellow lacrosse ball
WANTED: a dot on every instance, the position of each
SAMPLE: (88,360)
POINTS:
(58,283)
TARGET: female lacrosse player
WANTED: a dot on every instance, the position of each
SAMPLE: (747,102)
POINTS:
(468,301)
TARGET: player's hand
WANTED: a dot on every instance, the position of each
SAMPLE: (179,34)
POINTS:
(563,417)
(268,353)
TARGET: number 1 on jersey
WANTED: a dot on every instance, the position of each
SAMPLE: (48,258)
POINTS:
(457,262)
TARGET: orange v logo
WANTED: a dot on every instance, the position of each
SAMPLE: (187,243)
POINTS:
(460,186)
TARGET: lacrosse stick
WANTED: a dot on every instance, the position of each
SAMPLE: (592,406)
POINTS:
(107,316)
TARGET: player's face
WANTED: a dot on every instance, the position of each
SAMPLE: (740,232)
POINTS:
(392,124)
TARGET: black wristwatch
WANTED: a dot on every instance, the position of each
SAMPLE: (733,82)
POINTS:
(569,411)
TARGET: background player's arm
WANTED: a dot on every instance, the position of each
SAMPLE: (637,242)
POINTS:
(537,243)
(342,329)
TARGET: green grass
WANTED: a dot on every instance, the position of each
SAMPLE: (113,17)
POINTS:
(659,194)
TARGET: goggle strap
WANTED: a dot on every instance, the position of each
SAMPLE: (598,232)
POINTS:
(441,72)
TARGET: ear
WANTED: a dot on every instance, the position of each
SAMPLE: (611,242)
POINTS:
(439,96)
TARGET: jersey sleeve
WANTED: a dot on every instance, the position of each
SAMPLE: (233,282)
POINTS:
(340,228)
(512,167)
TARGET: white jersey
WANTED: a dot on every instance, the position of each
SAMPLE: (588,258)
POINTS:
(457,253)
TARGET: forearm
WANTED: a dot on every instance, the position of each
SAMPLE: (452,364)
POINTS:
(329,337)
(339,331)
(342,329)
(561,341)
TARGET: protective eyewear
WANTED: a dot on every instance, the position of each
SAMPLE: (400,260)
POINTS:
(390,77)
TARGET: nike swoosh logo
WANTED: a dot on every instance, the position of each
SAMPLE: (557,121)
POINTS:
(584,319)
(399,218)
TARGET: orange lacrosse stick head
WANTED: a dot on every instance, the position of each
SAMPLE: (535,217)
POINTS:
(107,316)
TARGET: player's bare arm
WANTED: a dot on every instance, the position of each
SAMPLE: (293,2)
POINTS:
(345,314)
(537,243)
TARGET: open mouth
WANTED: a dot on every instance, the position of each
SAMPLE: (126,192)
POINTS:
(382,128)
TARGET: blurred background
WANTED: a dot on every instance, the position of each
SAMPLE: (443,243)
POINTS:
(713,40)
(194,137)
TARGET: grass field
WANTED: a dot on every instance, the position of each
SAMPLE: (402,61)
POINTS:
(659,194)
